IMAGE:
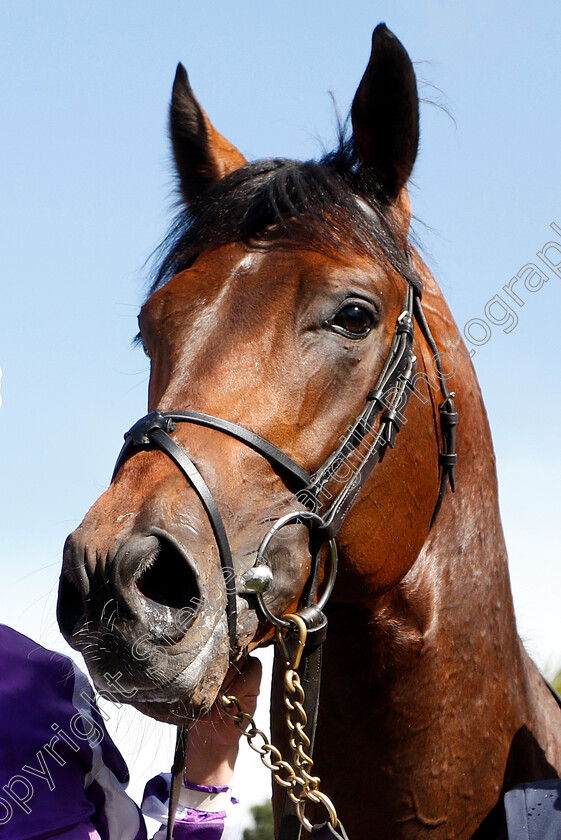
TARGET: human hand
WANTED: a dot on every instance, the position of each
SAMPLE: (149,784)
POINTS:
(213,741)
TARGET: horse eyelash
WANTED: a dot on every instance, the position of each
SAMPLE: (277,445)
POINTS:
(138,341)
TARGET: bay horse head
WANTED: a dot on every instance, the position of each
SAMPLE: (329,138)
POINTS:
(280,333)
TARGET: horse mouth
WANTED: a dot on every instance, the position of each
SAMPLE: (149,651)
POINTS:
(162,679)
(177,713)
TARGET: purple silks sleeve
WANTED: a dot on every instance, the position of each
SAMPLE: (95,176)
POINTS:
(203,813)
(61,775)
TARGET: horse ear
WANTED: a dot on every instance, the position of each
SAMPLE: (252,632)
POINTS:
(202,155)
(385,114)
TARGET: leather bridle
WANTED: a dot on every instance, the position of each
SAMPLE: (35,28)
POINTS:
(361,447)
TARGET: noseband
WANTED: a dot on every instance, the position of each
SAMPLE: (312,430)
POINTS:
(360,449)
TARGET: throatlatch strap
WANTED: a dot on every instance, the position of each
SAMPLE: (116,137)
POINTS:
(448,458)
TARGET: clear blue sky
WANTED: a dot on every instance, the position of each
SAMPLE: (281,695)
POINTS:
(86,196)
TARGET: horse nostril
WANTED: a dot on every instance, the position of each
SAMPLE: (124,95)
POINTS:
(70,607)
(169,579)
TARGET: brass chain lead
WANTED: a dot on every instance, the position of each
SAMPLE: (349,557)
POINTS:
(296,777)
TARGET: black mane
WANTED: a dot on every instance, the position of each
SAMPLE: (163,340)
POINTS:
(311,204)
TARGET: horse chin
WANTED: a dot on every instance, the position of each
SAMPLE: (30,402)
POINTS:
(171,684)
(187,696)
(181,711)
(192,693)
(176,714)
(181,700)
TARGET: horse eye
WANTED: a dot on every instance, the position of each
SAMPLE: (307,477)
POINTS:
(138,341)
(353,319)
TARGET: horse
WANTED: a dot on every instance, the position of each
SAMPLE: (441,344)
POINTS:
(283,293)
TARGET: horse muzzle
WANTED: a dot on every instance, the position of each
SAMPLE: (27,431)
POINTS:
(147,623)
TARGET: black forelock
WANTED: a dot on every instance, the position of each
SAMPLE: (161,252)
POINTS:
(311,204)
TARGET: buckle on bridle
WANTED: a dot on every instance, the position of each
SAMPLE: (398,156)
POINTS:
(139,434)
(405,324)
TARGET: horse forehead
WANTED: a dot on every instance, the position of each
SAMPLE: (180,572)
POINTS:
(238,274)
(202,284)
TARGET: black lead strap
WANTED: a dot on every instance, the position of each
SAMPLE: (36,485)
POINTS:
(177,774)
(325,831)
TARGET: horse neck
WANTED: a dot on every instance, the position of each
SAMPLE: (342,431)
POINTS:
(463,563)
(459,581)
(458,587)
